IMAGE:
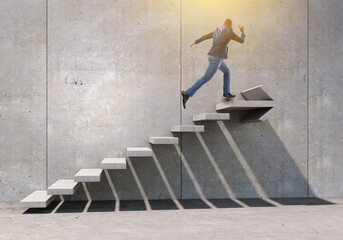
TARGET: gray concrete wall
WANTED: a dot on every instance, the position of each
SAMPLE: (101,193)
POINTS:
(114,80)
(325,95)
(22,98)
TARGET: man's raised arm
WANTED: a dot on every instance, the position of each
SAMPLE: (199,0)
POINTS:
(240,39)
(205,37)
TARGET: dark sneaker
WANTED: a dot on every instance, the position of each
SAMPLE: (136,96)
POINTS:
(229,95)
(185,97)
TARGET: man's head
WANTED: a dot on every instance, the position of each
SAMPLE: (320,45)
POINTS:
(228,22)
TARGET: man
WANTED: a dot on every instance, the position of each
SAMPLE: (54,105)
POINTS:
(221,38)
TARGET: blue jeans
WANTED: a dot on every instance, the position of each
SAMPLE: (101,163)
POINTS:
(215,63)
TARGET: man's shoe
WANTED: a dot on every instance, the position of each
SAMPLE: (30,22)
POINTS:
(185,97)
(229,95)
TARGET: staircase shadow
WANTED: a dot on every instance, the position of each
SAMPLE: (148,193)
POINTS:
(169,160)
(188,204)
(49,209)
(204,171)
(303,201)
(273,170)
(72,207)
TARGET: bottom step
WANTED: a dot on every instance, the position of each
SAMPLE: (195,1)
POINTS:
(37,199)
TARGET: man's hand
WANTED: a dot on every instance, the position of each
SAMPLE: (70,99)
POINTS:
(193,44)
(242,29)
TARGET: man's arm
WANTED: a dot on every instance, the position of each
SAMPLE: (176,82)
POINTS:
(205,37)
(239,39)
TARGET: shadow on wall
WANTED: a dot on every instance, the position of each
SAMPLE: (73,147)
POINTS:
(235,160)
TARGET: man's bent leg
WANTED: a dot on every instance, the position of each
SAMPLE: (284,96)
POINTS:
(212,68)
(226,78)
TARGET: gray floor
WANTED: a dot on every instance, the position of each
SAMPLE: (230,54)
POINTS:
(270,219)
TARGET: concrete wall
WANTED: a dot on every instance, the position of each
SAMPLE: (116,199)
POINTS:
(113,82)
(115,71)
(325,98)
(22,98)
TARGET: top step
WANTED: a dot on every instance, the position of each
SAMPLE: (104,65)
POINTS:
(239,105)
(211,117)
(256,93)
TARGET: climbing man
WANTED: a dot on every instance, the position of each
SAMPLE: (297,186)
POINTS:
(221,38)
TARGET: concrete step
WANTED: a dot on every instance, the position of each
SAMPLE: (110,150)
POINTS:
(113,163)
(243,105)
(63,187)
(188,128)
(89,175)
(164,140)
(256,93)
(211,117)
(37,199)
(139,152)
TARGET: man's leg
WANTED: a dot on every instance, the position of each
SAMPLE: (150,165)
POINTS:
(226,78)
(212,68)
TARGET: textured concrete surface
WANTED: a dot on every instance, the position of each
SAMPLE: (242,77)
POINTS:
(255,93)
(274,54)
(211,117)
(139,152)
(38,199)
(114,80)
(113,163)
(187,128)
(102,222)
(89,175)
(325,98)
(63,187)
(243,105)
(163,140)
(113,66)
(22,98)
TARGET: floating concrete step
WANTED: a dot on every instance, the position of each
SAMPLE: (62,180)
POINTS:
(89,175)
(256,93)
(37,199)
(239,105)
(188,128)
(63,187)
(250,111)
(113,163)
(211,117)
(139,152)
(163,140)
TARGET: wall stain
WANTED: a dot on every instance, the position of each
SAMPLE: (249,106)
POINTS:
(73,81)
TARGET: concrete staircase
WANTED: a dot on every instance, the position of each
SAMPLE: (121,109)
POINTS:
(254,108)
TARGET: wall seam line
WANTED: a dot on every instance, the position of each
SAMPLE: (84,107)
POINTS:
(308,107)
(46,97)
(180,97)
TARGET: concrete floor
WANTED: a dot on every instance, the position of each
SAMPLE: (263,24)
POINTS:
(287,219)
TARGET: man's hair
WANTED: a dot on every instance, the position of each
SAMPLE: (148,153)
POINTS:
(228,22)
